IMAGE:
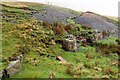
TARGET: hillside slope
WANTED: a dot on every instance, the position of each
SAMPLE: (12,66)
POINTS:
(25,32)
(53,14)
(96,21)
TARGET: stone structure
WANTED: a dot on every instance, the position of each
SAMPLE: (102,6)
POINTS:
(69,44)
(13,67)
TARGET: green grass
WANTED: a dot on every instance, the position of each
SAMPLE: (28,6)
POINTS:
(109,40)
(30,36)
(3,65)
(52,65)
(42,70)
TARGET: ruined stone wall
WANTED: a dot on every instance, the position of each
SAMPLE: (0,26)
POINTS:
(69,44)
(13,68)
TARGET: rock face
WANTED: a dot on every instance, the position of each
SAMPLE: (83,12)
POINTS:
(53,14)
(13,68)
(69,44)
(97,22)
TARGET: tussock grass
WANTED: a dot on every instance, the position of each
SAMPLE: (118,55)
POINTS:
(36,41)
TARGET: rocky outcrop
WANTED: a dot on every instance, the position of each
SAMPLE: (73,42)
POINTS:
(13,68)
(69,44)
(53,14)
(97,22)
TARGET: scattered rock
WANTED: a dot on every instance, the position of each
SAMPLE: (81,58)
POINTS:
(69,44)
(61,59)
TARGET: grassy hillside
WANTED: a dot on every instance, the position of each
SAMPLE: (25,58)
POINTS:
(36,40)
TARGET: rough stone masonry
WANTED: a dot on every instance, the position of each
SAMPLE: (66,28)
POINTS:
(69,44)
(11,69)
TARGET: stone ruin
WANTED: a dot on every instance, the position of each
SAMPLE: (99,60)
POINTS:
(13,68)
(69,44)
